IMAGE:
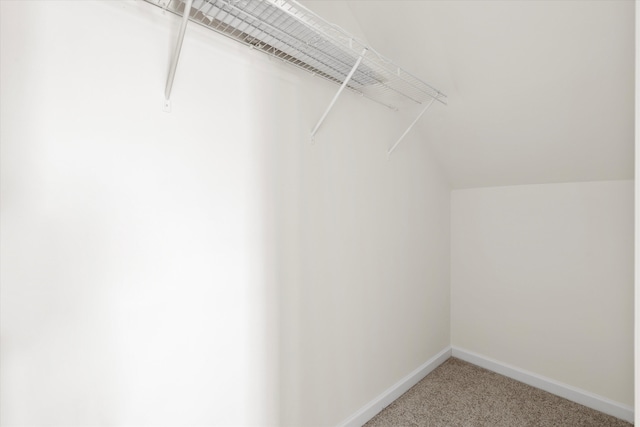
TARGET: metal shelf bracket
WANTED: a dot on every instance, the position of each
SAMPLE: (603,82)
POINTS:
(176,56)
(424,110)
(335,98)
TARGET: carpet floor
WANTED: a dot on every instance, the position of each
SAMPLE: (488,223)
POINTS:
(458,393)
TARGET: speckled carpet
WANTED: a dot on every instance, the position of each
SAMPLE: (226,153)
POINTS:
(461,394)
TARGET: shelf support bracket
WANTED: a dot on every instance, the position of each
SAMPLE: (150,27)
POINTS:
(335,98)
(424,110)
(176,56)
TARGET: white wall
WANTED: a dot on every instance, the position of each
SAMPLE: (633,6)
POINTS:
(373,297)
(542,279)
(371,302)
(134,246)
(208,266)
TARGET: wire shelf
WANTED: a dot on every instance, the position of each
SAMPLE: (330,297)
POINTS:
(292,33)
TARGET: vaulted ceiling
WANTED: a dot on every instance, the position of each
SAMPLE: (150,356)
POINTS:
(538,91)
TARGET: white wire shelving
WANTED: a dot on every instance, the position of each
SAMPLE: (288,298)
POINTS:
(292,33)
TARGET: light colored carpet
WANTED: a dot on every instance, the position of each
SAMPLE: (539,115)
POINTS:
(458,393)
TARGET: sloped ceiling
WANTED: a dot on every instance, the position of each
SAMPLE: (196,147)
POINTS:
(539,91)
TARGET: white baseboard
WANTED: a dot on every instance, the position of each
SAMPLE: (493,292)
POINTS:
(574,394)
(368,411)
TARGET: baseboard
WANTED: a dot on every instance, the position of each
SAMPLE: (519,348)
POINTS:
(395,391)
(574,394)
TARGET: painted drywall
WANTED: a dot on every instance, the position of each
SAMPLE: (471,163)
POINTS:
(136,287)
(542,280)
(209,266)
(366,301)
(526,81)
(373,295)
